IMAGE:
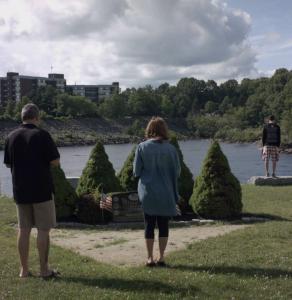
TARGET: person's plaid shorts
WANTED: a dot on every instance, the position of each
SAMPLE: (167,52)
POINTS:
(270,152)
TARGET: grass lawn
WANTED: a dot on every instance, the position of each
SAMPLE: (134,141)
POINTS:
(253,263)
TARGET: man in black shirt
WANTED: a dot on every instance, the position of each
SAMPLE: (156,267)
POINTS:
(30,152)
(271,140)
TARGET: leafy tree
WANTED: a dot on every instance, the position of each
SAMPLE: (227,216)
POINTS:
(19,105)
(204,126)
(167,106)
(127,180)
(286,127)
(230,88)
(9,109)
(75,106)
(114,107)
(144,102)
(217,192)
(210,107)
(45,98)
(225,105)
(163,88)
(98,173)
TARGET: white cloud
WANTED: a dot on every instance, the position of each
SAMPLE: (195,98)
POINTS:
(136,42)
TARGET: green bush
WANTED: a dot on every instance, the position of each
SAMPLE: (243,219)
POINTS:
(89,211)
(127,180)
(239,135)
(217,192)
(98,173)
(65,195)
(185,181)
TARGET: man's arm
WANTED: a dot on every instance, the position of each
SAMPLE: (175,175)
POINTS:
(7,160)
(55,163)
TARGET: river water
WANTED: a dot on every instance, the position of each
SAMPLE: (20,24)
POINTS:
(244,159)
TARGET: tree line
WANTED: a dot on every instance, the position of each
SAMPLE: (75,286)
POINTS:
(230,110)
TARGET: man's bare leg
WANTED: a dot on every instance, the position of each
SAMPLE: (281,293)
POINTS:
(267,167)
(43,244)
(23,250)
(274,168)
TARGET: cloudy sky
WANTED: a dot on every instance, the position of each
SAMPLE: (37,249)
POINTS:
(138,42)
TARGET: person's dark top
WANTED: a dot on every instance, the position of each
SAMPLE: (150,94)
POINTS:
(271,135)
(29,151)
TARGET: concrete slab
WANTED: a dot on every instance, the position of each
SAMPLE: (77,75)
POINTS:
(263,180)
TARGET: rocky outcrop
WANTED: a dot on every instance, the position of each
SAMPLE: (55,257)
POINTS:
(85,131)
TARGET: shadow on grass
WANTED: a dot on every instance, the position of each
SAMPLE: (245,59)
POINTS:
(251,218)
(135,285)
(227,270)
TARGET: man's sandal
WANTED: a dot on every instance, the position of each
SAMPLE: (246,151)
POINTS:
(53,274)
(29,274)
(161,264)
(150,264)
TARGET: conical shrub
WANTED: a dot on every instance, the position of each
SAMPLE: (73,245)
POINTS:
(89,211)
(217,192)
(98,173)
(127,180)
(65,195)
(185,181)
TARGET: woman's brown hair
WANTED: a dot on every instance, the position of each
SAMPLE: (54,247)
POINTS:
(156,128)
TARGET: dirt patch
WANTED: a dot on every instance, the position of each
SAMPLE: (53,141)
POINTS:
(127,247)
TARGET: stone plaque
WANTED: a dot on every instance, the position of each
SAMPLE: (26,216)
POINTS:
(126,207)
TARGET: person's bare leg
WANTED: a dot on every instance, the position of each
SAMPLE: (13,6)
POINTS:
(43,244)
(23,250)
(162,246)
(267,167)
(149,247)
(274,167)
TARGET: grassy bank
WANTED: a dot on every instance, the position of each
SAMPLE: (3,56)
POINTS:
(253,263)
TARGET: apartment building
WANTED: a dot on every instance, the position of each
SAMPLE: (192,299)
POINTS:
(94,92)
(14,86)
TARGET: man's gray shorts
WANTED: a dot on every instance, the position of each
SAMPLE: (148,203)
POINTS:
(40,215)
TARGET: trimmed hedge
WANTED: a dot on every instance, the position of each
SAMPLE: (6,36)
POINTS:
(217,192)
(185,181)
(89,211)
(127,180)
(65,195)
(98,173)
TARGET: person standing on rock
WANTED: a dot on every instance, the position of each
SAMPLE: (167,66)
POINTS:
(157,165)
(29,153)
(271,140)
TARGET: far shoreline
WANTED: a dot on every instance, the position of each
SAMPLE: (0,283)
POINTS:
(85,132)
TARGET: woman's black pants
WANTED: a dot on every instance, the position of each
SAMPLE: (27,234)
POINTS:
(150,223)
